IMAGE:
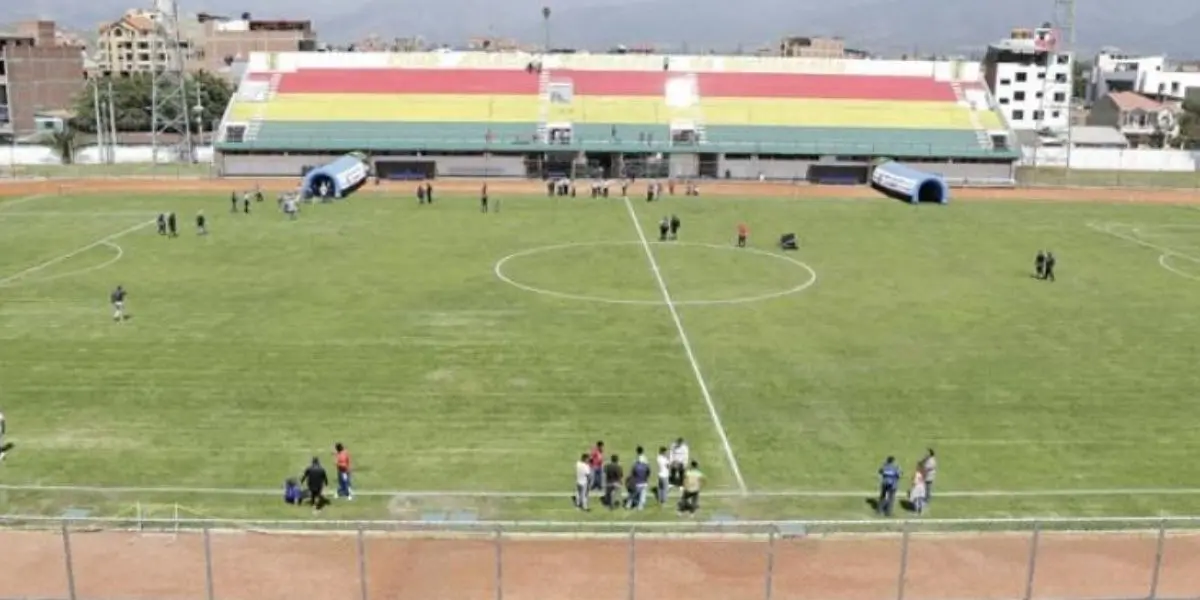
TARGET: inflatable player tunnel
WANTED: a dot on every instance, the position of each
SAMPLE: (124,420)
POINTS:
(910,184)
(339,178)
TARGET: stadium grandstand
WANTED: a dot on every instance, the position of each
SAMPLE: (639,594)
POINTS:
(519,114)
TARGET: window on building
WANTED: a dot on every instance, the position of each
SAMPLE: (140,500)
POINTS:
(1041,75)
(1038,95)
(1060,96)
(1038,115)
(1055,114)
(1064,59)
(1060,77)
(1022,76)
(1003,101)
(1018,96)
(1005,82)
(1018,115)
(1174,87)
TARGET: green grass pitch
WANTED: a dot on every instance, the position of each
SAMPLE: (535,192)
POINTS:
(383,324)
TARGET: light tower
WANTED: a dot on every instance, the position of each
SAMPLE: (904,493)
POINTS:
(1064,22)
(170,115)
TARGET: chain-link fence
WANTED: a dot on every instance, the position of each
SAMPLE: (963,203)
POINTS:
(95,559)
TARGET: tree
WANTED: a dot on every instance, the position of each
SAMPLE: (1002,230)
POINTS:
(133,101)
(1189,124)
(1079,79)
(64,144)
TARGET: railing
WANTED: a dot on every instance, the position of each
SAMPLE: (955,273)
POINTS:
(1060,559)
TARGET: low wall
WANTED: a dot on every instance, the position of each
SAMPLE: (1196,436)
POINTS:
(91,155)
(1113,159)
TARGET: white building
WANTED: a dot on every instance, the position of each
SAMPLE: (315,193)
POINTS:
(1155,76)
(1031,79)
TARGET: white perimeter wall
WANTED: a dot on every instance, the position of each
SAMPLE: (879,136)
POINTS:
(1114,159)
(90,155)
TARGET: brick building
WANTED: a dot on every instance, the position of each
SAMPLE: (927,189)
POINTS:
(40,73)
(224,41)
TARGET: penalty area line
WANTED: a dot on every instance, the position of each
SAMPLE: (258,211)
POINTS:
(54,261)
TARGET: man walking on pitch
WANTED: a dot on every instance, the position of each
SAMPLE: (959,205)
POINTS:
(342,456)
(743,234)
(118,302)
(174,232)
(201,223)
(1039,264)
(889,478)
(1048,274)
(316,480)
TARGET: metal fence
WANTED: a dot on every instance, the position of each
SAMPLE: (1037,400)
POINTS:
(130,170)
(95,559)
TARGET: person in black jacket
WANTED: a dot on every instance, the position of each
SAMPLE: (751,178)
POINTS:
(614,478)
(316,480)
(1048,272)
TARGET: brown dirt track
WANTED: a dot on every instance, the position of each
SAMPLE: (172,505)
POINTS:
(741,188)
(257,566)
(115,565)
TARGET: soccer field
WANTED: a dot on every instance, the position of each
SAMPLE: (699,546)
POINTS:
(455,351)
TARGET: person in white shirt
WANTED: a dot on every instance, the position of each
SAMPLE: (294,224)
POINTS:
(664,475)
(929,472)
(918,495)
(680,457)
(583,482)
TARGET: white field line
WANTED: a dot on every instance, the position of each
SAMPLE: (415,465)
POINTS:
(1108,230)
(54,261)
(528,495)
(1164,263)
(687,348)
(11,203)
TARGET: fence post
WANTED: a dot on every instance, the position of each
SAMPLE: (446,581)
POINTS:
(632,563)
(362,564)
(1033,558)
(901,583)
(70,561)
(208,565)
(499,563)
(770,563)
(1158,559)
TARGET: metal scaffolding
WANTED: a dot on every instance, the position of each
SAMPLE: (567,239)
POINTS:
(171,127)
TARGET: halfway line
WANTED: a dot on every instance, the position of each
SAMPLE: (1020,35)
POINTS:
(687,348)
(73,253)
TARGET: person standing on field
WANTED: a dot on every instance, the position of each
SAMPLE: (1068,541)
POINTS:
(664,475)
(614,475)
(342,456)
(680,457)
(693,480)
(889,478)
(596,460)
(3,430)
(583,482)
(743,234)
(929,472)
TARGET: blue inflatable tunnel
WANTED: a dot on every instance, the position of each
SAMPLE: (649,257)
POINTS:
(909,183)
(337,179)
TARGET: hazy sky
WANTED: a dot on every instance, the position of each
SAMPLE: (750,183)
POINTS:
(890,26)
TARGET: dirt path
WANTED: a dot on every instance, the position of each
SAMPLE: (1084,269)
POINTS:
(257,566)
(719,188)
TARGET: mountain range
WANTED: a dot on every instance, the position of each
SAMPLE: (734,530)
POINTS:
(887,27)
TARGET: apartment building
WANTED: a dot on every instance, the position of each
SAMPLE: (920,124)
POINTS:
(1156,76)
(41,72)
(1031,79)
(136,43)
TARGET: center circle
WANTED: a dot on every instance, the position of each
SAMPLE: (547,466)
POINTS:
(501,264)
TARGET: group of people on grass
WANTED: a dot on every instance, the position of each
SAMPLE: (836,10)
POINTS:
(618,489)
(919,493)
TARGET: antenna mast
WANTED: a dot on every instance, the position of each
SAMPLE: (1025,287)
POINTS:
(1064,22)
(170,116)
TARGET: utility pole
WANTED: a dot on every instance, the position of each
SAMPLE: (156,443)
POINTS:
(1064,22)
(98,116)
(112,123)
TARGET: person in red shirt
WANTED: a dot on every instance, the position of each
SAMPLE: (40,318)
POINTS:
(596,461)
(342,457)
(743,234)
